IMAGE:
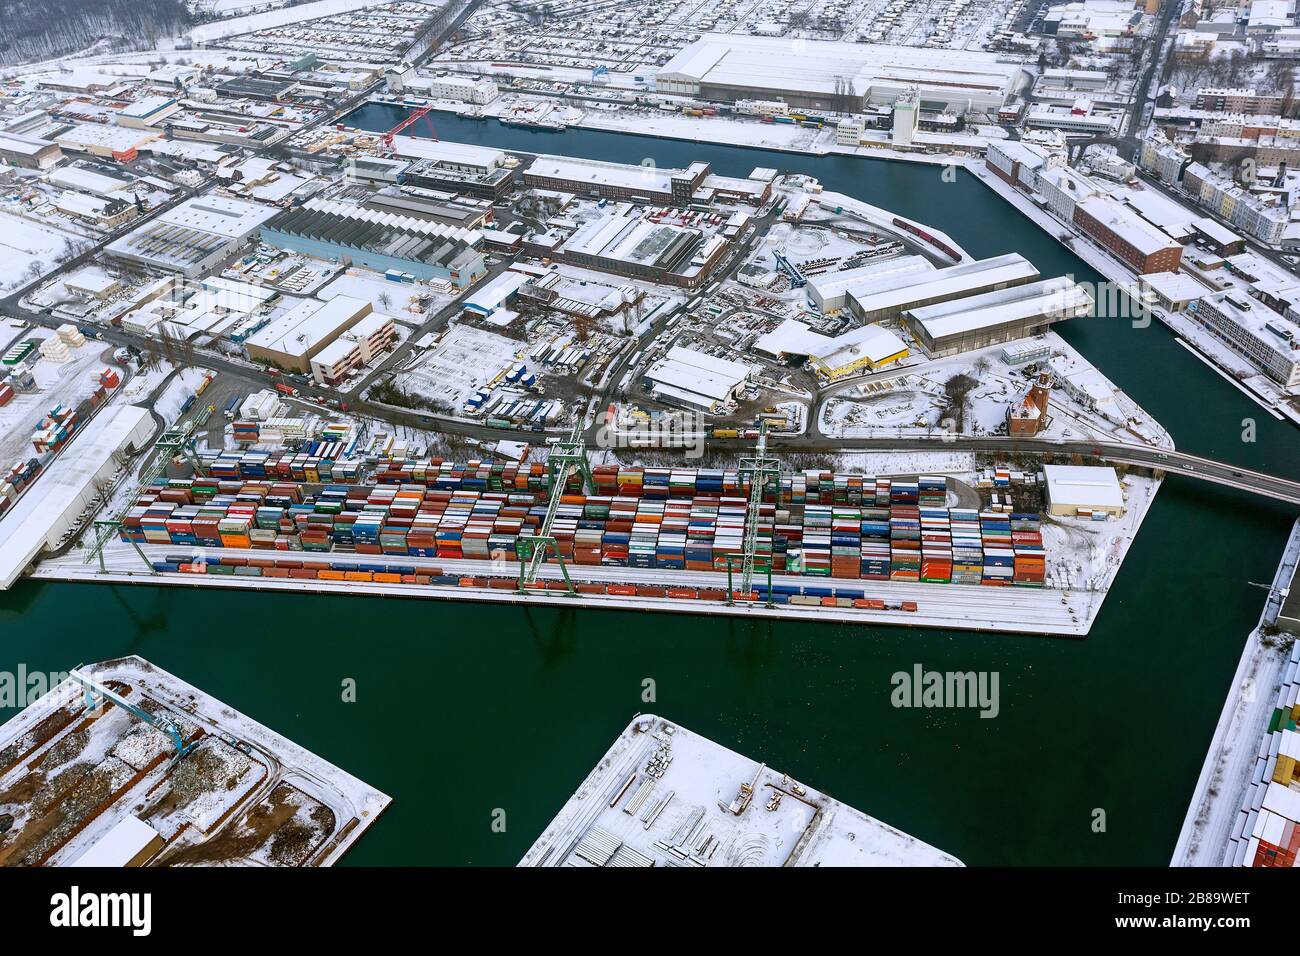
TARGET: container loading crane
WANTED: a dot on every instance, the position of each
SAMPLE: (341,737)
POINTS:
(567,454)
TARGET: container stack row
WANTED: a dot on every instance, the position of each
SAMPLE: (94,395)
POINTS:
(703,532)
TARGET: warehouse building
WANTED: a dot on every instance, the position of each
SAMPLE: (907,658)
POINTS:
(258,88)
(477,90)
(374,170)
(55,504)
(867,348)
(628,245)
(619,181)
(293,339)
(118,143)
(695,380)
(1072,489)
(91,177)
(992,318)
(29,152)
(1130,237)
(1019,163)
(380,241)
(840,76)
(195,236)
(147,112)
(890,298)
(1268,340)
(828,293)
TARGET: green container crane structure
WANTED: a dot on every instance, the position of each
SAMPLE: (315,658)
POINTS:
(762,471)
(570,454)
(173,441)
(567,456)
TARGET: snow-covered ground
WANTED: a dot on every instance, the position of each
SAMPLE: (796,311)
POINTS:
(392,298)
(29,250)
(56,382)
(909,399)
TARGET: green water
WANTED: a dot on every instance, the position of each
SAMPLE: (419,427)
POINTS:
(464,709)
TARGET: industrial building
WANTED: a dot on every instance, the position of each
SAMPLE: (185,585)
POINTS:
(195,236)
(840,76)
(890,298)
(1019,163)
(620,181)
(91,177)
(1251,329)
(377,240)
(1175,291)
(695,380)
(355,348)
(1072,489)
(476,90)
(828,293)
(862,349)
(626,244)
(992,318)
(293,339)
(1130,237)
(29,152)
(118,143)
(147,112)
(257,88)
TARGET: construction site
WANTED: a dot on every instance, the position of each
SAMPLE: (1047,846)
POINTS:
(122,764)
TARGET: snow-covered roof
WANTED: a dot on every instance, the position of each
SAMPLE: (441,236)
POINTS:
(129,837)
(698,374)
(1083,486)
(50,507)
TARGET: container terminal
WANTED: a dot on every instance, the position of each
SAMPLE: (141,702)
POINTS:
(664,796)
(747,540)
(123,764)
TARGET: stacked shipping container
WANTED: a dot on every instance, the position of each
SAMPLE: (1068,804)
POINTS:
(823,525)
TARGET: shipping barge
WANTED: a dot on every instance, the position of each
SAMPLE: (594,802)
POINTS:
(664,796)
(123,764)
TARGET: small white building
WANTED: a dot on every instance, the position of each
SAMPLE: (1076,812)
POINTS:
(1072,489)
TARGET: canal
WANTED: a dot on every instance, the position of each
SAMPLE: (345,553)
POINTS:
(464,710)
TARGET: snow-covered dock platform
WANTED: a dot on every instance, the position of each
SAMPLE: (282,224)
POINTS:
(100,785)
(1043,611)
(664,796)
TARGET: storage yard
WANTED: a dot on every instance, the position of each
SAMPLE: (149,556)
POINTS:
(91,775)
(837,546)
(664,796)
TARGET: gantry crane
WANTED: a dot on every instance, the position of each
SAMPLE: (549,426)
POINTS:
(761,470)
(566,456)
(172,441)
